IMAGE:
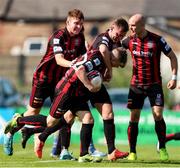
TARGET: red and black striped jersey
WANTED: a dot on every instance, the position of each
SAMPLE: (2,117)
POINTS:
(146,55)
(59,42)
(92,61)
(104,38)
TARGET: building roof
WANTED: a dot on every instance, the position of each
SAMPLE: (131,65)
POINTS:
(92,9)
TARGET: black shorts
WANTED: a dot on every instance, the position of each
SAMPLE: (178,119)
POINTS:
(64,101)
(102,96)
(137,94)
(40,91)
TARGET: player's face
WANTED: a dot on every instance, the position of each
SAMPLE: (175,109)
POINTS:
(74,25)
(135,27)
(117,33)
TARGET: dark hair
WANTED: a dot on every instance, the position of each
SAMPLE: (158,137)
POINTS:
(121,22)
(76,13)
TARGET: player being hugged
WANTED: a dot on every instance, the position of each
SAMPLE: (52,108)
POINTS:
(71,91)
(91,72)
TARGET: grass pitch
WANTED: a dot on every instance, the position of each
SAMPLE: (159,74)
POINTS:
(147,157)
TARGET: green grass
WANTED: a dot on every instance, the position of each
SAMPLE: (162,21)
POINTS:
(147,157)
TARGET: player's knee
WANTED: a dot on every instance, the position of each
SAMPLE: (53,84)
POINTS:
(107,112)
(88,119)
(107,115)
(158,117)
(50,124)
(32,111)
(51,121)
(157,112)
(69,117)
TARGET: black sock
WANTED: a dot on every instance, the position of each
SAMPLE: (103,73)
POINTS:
(132,135)
(16,129)
(177,136)
(109,131)
(174,136)
(160,128)
(85,136)
(49,130)
(35,130)
(65,134)
(36,120)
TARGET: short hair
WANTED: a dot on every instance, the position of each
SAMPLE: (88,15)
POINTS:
(121,54)
(76,13)
(121,22)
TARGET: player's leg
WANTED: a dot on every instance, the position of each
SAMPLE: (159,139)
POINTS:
(30,112)
(81,109)
(56,148)
(86,136)
(169,137)
(160,128)
(53,124)
(19,121)
(8,138)
(102,102)
(109,130)
(135,103)
(65,135)
(132,132)
(156,97)
(38,95)
(86,130)
(173,136)
(40,91)
(14,125)
(63,141)
(27,132)
(55,121)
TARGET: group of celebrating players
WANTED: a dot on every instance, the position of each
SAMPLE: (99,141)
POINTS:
(62,76)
